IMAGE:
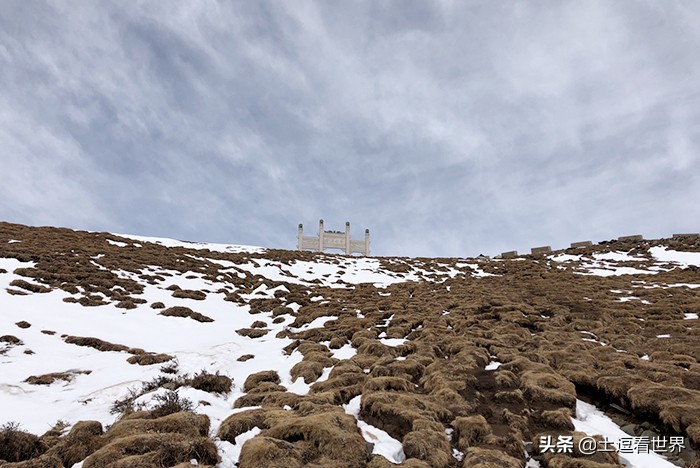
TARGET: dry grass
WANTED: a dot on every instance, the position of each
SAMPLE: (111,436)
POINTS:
(486,458)
(189,294)
(332,435)
(31,287)
(180,311)
(23,324)
(254,380)
(558,419)
(11,339)
(310,371)
(95,343)
(148,359)
(276,399)
(211,383)
(17,445)
(268,452)
(252,332)
(429,446)
(549,387)
(395,413)
(529,316)
(156,449)
(470,431)
(82,440)
(241,422)
(181,422)
(48,379)
(170,403)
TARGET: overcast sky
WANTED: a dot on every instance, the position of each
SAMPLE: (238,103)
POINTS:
(447,128)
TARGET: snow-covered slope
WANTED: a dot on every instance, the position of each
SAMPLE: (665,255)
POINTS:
(357,333)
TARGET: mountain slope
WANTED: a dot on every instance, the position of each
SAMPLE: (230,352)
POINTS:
(327,360)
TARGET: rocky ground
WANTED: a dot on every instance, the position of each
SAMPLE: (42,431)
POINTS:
(117,351)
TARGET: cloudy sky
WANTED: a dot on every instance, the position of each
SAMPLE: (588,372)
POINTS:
(447,128)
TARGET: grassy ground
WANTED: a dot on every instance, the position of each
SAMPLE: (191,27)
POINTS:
(559,335)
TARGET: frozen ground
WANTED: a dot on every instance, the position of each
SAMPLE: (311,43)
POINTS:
(100,378)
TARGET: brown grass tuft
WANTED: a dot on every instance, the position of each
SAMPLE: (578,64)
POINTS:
(652,398)
(211,383)
(95,343)
(182,422)
(557,419)
(170,403)
(147,359)
(276,399)
(35,288)
(157,305)
(332,435)
(265,376)
(23,324)
(179,311)
(680,414)
(153,450)
(252,332)
(238,423)
(549,387)
(476,457)
(189,294)
(82,440)
(48,379)
(506,379)
(470,431)
(310,371)
(429,446)
(395,412)
(268,452)
(693,432)
(17,445)
(396,384)
(11,339)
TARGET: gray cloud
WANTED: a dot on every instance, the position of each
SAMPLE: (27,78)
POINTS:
(447,128)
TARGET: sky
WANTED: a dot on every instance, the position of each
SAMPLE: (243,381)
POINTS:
(447,128)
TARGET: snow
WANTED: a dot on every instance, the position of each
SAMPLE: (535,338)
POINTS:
(476,270)
(118,244)
(566,258)
(215,346)
(673,256)
(493,365)
(384,444)
(230,453)
(618,257)
(592,421)
(618,271)
(392,341)
(164,241)
(344,352)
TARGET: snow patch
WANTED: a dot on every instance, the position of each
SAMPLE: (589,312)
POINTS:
(384,444)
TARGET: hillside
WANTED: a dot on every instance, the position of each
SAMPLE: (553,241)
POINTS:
(125,351)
